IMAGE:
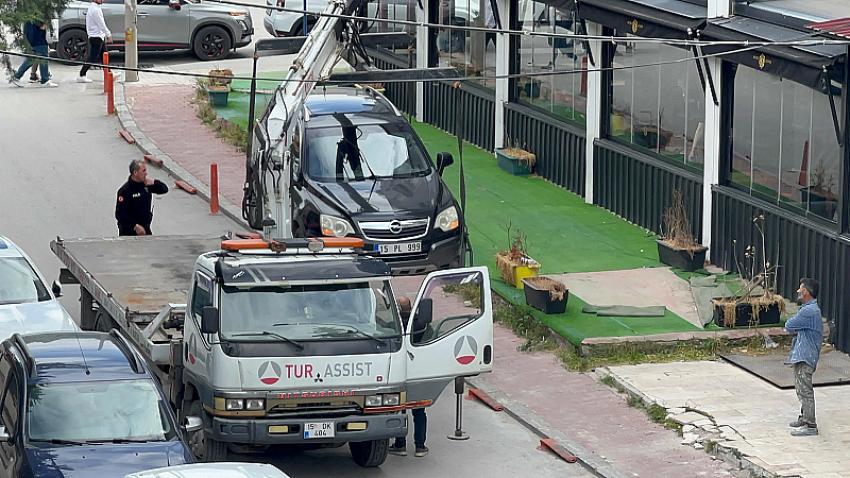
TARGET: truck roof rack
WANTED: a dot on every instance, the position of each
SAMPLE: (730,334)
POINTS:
(25,352)
(124,345)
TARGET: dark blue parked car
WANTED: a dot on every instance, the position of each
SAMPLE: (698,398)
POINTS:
(82,404)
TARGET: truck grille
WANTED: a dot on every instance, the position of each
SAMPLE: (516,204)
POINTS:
(395,230)
(315,409)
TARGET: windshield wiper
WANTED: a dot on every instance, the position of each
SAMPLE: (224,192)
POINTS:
(356,330)
(125,440)
(276,335)
(59,441)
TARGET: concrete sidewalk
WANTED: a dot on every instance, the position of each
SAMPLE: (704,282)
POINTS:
(590,419)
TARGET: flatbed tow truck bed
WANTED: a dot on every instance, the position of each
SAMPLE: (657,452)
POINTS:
(140,283)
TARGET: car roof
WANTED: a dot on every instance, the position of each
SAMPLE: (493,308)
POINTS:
(348,100)
(78,356)
(9,248)
(218,470)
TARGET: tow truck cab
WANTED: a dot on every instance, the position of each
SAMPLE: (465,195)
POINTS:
(359,169)
(306,345)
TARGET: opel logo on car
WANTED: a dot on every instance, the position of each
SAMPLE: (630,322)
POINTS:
(269,373)
(395,227)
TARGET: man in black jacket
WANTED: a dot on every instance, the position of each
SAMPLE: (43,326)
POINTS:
(133,208)
(36,35)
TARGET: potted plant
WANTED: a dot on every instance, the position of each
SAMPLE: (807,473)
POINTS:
(546,294)
(677,246)
(531,88)
(218,86)
(819,194)
(515,264)
(515,160)
(747,307)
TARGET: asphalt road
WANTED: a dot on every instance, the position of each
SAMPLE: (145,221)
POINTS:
(61,163)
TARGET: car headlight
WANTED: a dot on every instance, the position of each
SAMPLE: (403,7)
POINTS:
(334,226)
(391,399)
(238,14)
(255,404)
(374,401)
(242,24)
(447,220)
(234,404)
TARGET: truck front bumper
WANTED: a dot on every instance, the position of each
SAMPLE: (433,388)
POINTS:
(268,431)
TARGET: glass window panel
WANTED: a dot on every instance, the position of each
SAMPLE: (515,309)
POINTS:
(766,134)
(742,127)
(794,142)
(562,91)
(472,53)
(824,156)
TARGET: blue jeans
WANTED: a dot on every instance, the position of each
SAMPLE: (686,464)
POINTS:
(420,426)
(40,50)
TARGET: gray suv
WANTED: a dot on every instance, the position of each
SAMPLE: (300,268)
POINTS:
(211,31)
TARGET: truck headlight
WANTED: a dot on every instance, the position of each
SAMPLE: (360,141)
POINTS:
(447,220)
(391,400)
(335,227)
(234,404)
(255,404)
(374,401)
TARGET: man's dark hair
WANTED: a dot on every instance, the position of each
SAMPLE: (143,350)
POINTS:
(135,165)
(811,285)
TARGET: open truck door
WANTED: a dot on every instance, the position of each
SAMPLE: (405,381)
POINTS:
(450,333)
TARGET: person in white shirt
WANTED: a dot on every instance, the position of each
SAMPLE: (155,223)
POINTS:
(99,35)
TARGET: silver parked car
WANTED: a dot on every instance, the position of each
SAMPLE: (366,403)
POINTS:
(210,30)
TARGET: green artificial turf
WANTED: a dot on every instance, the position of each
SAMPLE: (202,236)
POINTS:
(563,232)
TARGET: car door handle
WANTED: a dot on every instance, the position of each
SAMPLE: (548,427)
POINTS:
(142,14)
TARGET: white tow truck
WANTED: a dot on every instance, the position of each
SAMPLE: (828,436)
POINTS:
(297,341)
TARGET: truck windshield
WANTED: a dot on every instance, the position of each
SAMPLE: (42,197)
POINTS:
(309,312)
(105,411)
(355,153)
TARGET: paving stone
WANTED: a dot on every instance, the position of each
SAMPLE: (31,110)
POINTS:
(687,418)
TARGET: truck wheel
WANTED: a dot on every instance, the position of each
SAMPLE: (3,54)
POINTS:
(203,447)
(370,454)
(211,43)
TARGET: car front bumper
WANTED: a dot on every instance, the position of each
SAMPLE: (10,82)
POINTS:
(257,431)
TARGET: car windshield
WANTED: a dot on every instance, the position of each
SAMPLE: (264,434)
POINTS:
(123,410)
(358,152)
(309,312)
(19,283)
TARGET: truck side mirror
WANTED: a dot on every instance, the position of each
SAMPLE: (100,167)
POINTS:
(57,289)
(174,4)
(444,160)
(209,320)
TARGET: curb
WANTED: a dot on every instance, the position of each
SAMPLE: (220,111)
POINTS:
(731,455)
(148,147)
(542,429)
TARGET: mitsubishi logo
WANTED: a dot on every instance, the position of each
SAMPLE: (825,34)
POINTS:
(395,227)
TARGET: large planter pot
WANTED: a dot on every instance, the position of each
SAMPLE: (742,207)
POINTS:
(767,315)
(218,96)
(539,294)
(681,258)
(819,203)
(516,165)
(513,273)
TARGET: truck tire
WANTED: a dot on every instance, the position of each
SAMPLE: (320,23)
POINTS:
(203,447)
(211,43)
(370,454)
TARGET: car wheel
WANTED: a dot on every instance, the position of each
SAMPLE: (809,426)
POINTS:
(203,447)
(211,43)
(297,29)
(73,45)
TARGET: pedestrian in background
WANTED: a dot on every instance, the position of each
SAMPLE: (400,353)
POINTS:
(420,420)
(134,205)
(99,35)
(807,328)
(36,35)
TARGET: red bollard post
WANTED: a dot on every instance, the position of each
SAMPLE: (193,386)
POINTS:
(110,98)
(213,188)
(105,69)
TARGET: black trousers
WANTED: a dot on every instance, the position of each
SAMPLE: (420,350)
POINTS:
(95,54)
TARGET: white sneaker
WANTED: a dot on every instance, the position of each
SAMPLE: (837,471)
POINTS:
(49,84)
(16,82)
(83,79)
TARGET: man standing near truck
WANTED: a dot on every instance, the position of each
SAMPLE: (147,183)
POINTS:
(420,420)
(134,205)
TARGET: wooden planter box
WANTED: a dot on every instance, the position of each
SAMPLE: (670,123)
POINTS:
(513,273)
(517,164)
(769,314)
(681,258)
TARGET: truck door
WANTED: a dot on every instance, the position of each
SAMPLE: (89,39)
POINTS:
(450,333)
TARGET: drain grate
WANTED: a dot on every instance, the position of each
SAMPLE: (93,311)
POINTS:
(833,368)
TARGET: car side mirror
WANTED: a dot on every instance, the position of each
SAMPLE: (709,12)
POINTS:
(444,160)
(4,435)
(193,424)
(174,4)
(57,288)
(209,320)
